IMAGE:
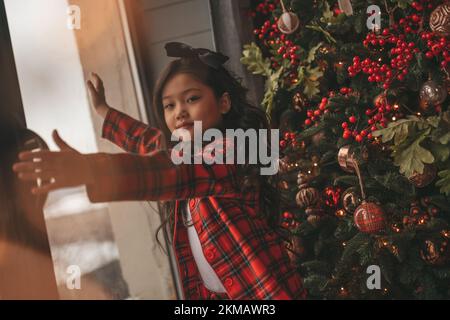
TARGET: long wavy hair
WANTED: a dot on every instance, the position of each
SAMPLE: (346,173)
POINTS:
(242,114)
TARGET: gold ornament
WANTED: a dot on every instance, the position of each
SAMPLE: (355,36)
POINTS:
(347,159)
(303,179)
(314,219)
(299,102)
(379,99)
(288,22)
(432,93)
(350,199)
(307,197)
(434,253)
(440,20)
(346,7)
(423,179)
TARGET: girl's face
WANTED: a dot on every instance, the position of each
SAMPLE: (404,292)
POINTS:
(186,100)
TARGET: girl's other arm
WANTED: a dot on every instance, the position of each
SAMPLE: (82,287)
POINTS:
(124,177)
(121,177)
(124,131)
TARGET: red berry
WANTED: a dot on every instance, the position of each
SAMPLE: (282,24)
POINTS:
(358,138)
(287,215)
(347,134)
(352,119)
(344,125)
(308,122)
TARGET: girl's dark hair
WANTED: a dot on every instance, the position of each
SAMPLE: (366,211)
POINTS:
(241,115)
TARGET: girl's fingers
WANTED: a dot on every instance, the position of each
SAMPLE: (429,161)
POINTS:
(26,167)
(46,188)
(46,175)
(98,83)
(91,89)
(60,142)
(30,155)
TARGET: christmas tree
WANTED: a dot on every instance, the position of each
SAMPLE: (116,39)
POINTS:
(359,92)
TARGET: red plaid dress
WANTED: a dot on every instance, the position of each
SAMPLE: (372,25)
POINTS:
(249,258)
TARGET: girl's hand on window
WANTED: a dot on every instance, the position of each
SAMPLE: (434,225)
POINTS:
(97,95)
(61,169)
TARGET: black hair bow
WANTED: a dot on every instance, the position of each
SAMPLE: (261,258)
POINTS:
(208,57)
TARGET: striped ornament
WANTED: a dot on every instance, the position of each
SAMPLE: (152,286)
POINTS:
(440,19)
(307,197)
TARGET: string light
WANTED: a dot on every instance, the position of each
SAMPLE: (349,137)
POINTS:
(418,114)
(394,118)
(396,106)
(315,164)
(446,233)
(340,213)
(344,244)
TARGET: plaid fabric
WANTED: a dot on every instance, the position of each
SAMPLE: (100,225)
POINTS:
(249,258)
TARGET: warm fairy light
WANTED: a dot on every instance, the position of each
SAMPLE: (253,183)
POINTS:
(422,220)
(342,289)
(340,213)
(394,118)
(315,164)
(309,171)
(446,233)
(379,59)
(419,114)
(385,290)
(396,229)
(396,106)
(385,243)
(344,244)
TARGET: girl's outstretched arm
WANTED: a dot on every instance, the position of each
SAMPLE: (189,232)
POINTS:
(121,177)
(126,132)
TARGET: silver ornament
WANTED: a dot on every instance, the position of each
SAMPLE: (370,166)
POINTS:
(432,93)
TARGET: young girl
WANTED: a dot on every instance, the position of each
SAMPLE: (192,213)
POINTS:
(222,236)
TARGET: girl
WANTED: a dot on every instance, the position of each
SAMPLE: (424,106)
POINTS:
(219,213)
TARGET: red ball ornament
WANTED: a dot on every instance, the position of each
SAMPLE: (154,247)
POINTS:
(332,196)
(369,217)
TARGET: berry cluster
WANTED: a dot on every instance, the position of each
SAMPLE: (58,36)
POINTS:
(289,221)
(266,7)
(438,47)
(289,139)
(401,56)
(314,115)
(421,5)
(280,46)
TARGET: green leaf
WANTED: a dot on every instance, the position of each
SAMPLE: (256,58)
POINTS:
(253,59)
(398,130)
(310,81)
(327,35)
(444,182)
(271,89)
(412,158)
(440,152)
(312,53)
